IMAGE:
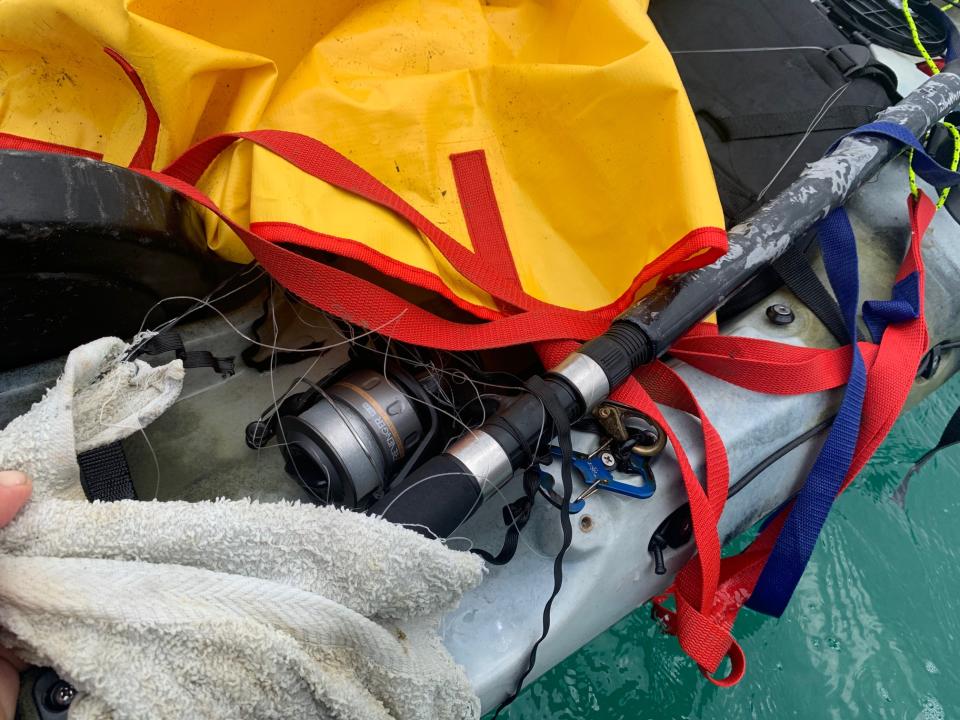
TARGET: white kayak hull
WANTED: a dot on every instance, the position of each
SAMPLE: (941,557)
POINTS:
(609,571)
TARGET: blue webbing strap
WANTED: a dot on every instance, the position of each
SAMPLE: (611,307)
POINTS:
(799,535)
(797,539)
(924,165)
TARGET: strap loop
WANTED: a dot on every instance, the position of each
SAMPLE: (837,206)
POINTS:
(738,667)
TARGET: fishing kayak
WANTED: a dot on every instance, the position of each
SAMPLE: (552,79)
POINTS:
(610,569)
(631,530)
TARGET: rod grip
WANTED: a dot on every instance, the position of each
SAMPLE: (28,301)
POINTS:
(434,500)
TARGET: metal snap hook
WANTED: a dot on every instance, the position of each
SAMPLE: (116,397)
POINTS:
(625,424)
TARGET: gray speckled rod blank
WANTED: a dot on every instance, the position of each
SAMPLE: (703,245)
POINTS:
(672,308)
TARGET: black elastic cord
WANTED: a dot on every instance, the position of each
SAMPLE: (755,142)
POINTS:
(515,517)
(950,436)
(561,425)
(751,474)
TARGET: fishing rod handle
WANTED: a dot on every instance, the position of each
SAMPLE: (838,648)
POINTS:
(433,500)
(445,491)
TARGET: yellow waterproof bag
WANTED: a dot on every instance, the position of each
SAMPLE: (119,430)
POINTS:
(514,156)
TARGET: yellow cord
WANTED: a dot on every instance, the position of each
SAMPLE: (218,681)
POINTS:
(915,34)
(954,161)
(912,176)
(954,132)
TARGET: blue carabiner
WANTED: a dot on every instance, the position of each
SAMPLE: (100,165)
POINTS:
(597,475)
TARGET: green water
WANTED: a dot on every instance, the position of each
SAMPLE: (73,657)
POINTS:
(873,630)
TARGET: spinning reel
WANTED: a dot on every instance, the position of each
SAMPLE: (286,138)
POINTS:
(367,426)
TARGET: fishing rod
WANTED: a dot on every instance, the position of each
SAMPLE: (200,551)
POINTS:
(443,492)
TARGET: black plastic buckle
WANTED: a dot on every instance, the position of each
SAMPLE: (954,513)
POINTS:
(851,58)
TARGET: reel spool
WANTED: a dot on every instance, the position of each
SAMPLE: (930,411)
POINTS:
(344,447)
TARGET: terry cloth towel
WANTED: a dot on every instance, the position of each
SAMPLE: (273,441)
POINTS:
(228,609)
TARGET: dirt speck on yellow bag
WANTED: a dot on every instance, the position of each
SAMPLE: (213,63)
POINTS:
(599,178)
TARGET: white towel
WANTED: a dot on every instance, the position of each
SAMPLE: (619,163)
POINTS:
(228,609)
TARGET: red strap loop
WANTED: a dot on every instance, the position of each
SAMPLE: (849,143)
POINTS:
(738,667)
(892,367)
(695,588)
(367,304)
(143,157)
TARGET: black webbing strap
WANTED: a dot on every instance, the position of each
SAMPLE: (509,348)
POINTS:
(105,475)
(950,436)
(170,341)
(561,425)
(794,269)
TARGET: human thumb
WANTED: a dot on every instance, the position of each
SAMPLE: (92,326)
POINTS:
(15,490)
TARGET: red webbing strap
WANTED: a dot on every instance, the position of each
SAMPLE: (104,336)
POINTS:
(15,142)
(480,211)
(323,162)
(695,621)
(889,379)
(902,348)
(769,367)
(695,586)
(290,234)
(143,157)
(364,303)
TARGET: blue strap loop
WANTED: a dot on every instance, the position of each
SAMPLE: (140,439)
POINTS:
(903,305)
